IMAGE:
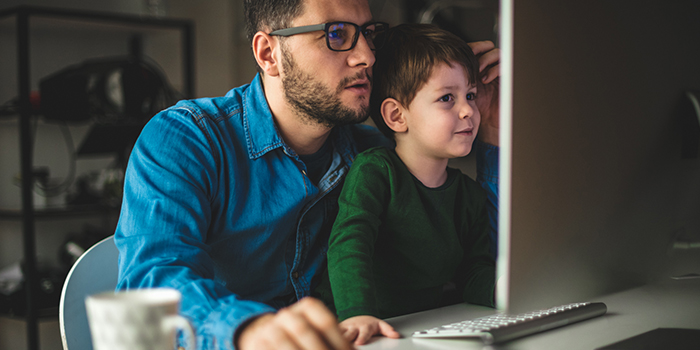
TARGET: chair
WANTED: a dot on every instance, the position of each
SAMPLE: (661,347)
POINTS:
(95,271)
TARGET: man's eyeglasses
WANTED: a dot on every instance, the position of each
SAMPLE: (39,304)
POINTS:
(341,36)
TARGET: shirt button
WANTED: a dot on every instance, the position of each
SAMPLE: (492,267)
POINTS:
(295,274)
(303,172)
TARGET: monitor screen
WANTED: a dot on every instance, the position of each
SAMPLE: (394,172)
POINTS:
(594,187)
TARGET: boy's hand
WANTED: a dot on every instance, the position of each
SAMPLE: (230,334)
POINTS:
(362,328)
(487,89)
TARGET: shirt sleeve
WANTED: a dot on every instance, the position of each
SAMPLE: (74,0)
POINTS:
(487,163)
(476,276)
(164,223)
(352,240)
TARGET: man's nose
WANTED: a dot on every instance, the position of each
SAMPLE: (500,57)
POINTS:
(361,54)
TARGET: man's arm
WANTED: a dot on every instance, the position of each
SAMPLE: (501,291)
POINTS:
(487,150)
(487,177)
(164,226)
(488,90)
(163,237)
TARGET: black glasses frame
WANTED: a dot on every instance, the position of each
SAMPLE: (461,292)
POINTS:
(379,28)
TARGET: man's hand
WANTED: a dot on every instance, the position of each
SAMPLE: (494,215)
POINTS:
(487,89)
(489,58)
(362,328)
(305,325)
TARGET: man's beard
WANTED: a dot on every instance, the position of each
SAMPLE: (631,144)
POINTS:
(316,103)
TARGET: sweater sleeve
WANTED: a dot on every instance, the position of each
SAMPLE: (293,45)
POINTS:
(476,275)
(351,245)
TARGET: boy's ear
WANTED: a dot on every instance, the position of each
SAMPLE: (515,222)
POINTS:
(264,48)
(392,112)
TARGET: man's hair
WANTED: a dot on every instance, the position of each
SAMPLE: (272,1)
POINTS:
(269,15)
(406,61)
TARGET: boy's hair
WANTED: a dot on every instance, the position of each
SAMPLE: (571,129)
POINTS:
(405,62)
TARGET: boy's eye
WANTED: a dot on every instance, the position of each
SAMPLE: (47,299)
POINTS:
(471,96)
(446,98)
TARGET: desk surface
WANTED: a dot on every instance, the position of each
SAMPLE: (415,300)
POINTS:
(671,304)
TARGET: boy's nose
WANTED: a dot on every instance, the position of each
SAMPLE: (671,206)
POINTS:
(466,110)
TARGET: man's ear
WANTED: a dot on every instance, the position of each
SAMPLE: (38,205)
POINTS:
(393,114)
(264,49)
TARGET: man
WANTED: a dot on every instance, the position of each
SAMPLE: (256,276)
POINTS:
(230,199)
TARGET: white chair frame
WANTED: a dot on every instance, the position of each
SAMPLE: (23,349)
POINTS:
(94,272)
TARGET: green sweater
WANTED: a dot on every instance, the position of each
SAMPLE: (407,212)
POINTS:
(396,242)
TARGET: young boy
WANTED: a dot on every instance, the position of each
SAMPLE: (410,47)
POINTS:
(407,224)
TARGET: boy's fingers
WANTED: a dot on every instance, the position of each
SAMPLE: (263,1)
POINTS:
(387,330)
(362,328)
(364,335)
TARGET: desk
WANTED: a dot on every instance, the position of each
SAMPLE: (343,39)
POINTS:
(671,304)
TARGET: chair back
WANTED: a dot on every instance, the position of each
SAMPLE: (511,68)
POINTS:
(94,272)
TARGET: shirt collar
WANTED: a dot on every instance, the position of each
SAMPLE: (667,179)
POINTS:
(260,130)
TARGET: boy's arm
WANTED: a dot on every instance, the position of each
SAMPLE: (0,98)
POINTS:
(352,239)
(476,275)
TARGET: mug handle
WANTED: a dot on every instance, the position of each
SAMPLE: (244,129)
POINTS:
(175,322)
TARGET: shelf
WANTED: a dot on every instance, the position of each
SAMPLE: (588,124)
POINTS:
(43,314)
(57,21)
(35,25)
(62,212)
(98,18)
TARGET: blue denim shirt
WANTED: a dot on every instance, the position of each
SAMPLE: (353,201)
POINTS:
(487,176)
(217,206)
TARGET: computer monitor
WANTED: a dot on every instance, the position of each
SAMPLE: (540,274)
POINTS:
(594,187)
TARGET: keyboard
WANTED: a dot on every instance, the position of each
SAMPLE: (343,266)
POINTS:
(500,328)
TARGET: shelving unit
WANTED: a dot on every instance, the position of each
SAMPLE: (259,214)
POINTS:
(63,212)
(28,214)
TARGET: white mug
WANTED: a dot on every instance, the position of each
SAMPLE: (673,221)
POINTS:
(141,319)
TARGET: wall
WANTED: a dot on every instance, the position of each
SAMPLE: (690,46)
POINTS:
(222,61)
